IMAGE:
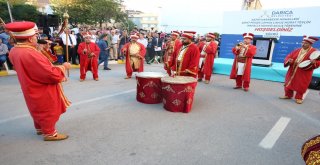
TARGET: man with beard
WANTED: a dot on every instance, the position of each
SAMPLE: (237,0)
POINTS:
(298,79)
(171,46)
(241,68)
(186,57)
(208,51)
(40,81)
(134,52)
(89,55)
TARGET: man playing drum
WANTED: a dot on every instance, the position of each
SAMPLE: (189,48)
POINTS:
(298,79)
(186,57)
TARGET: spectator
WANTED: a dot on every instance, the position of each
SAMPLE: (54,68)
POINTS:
(3,53)
(150,49)
(104,51)
(114,45)
(123,40)
(72,42)
(58,50)
(4,36)
(143,40)
(157,45)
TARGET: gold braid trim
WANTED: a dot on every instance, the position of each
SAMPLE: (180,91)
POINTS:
(189,71)
(184,53)
(22,45)
(311,143)
(65,100)
(314,158)
(296,64)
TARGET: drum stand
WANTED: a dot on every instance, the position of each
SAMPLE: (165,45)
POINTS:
(155,60)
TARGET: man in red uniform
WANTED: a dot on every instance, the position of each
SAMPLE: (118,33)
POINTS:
(186,57)
(89,55)
(40,81)
(298,79)
(241,68)
(134,52)
(208,51)
(171,46)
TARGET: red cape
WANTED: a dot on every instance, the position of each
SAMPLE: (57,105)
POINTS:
(40,82)
(126,51)
(207,66)
(248,63)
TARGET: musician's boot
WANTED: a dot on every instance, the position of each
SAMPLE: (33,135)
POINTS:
(56,137)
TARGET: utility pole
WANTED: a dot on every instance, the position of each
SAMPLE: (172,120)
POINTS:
(9,10)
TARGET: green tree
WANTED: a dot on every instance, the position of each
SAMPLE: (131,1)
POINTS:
(20,11)
(89,11)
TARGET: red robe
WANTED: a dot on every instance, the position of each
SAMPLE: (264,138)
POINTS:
(189,63)
(126,51)
(206,67)
(298,79)
(87,63)
(170,48)
(248,63)
(40,82)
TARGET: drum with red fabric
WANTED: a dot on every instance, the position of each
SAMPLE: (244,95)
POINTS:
(310,151)
(149,87)
(305,65)
(178,93)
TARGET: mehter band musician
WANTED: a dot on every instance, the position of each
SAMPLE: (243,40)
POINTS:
(241,68)
(134,52)
(40,80)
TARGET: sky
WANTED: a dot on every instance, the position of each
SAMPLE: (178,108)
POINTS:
(203,15)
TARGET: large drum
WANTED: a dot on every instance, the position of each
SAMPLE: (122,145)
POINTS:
(310,151)
(149,87)
(178,93)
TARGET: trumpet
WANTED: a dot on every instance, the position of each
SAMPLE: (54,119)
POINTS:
(241,45)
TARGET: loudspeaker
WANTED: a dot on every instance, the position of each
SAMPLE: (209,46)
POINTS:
(42,20)
(53,20)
